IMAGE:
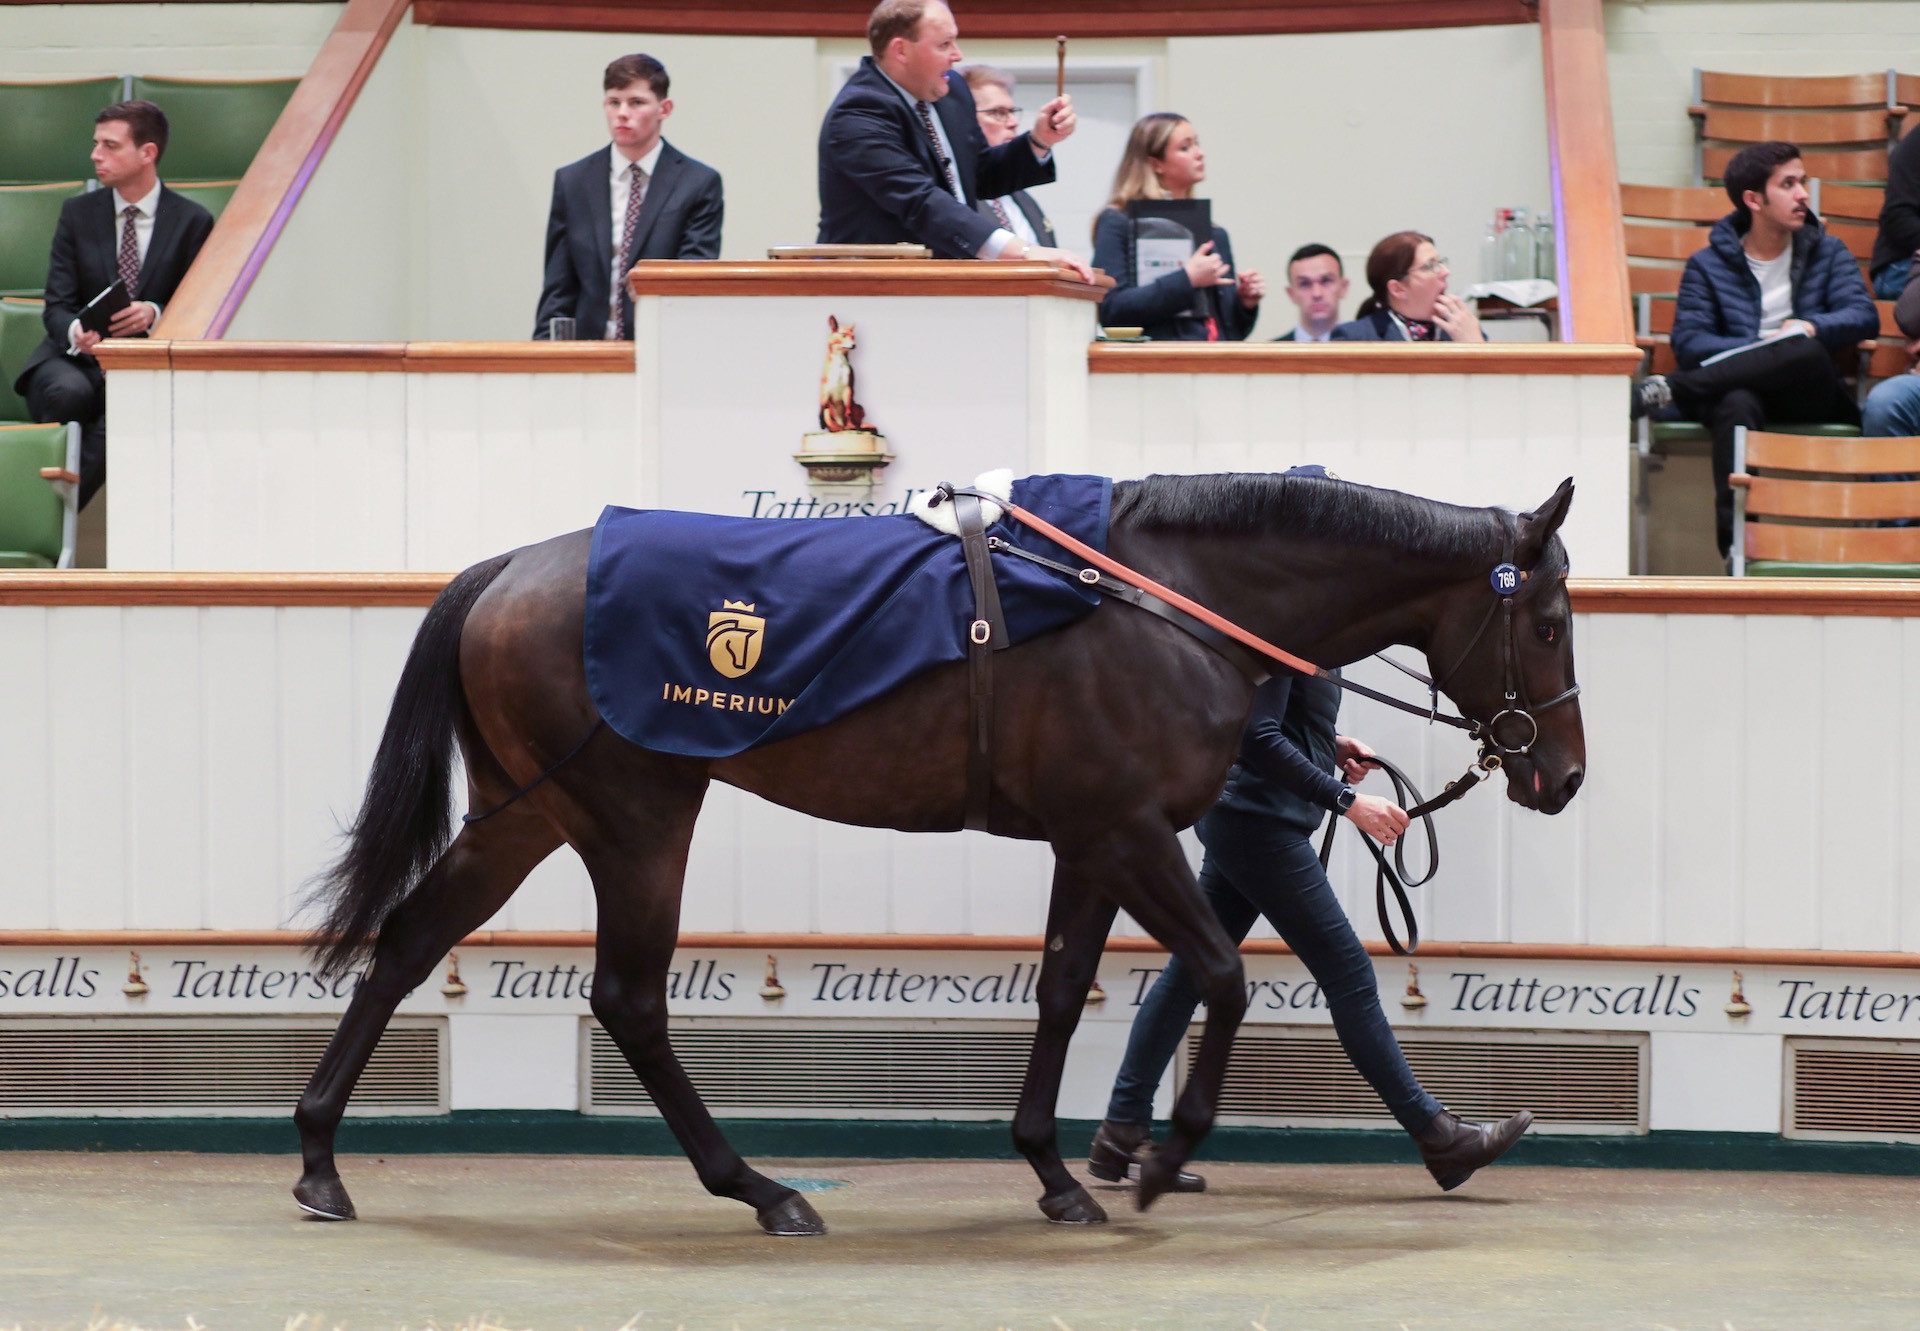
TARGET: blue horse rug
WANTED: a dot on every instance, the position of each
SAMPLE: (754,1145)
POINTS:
(707,635)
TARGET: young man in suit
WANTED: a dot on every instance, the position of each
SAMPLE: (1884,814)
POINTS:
(902,157)
(1316,284)
(638,198)
(133,229)
(1000,123)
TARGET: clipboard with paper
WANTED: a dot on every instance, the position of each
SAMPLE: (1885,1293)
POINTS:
(1166,232)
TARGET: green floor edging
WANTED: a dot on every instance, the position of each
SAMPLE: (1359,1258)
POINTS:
(556,1132)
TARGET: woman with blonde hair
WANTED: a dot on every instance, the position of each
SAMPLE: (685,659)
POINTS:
(1410,300)
(1202,300)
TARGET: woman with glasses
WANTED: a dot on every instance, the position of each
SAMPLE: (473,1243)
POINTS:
(1202,300)
(1410,300)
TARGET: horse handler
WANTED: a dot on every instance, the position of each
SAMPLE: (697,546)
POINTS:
(1261,861)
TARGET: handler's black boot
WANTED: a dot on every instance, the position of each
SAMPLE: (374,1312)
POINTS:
(1118,1150)
(1453,1150)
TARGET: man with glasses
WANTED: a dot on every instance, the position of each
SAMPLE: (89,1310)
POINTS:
(1000,122)
(1316,284)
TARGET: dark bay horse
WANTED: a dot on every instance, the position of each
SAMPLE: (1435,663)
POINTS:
(1112,735)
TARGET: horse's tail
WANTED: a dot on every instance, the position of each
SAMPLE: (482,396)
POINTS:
(405,818)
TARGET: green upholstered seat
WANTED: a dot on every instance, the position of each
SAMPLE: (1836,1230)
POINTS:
(216,125)
(20,332)
(49,128)
(36,515)
(1784,568)
(209,194)
(28,216)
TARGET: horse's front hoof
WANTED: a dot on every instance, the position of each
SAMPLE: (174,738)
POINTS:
(1073,1208)
(792,1216)
(324,1197)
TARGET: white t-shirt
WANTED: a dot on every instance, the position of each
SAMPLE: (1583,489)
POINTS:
(1775,277)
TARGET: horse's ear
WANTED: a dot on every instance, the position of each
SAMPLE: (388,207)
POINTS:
(1538,527)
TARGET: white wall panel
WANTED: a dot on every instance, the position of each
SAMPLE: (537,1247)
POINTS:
(1747,785)
(1466,439)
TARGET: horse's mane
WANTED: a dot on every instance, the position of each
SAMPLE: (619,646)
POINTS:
(1339,512)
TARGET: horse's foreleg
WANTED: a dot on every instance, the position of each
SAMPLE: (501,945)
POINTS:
(639,894)
(1077,923)
(1151,880)
(469,882)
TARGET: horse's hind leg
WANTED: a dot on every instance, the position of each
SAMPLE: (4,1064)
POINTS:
(637,880)
(466,885)
(1077,923)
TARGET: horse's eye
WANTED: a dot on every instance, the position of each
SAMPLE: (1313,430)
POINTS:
(1546,632)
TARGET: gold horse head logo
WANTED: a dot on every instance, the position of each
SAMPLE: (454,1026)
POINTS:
(734,637)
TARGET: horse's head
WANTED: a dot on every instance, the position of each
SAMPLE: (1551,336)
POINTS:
(1506,660)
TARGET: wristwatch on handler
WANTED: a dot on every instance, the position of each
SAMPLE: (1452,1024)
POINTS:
(1343,802)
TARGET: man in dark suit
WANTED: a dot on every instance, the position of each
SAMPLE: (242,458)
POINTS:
(901,153)
(999,122)
(638,198)
(133,229)
(1316,284)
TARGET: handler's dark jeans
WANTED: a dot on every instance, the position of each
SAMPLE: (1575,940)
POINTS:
(1249,871)
(73,388)
(1789,381)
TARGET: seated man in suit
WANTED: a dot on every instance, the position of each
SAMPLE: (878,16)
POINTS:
(638,198)
(1316,284)
(1000,123)
(901,153)
(135,230)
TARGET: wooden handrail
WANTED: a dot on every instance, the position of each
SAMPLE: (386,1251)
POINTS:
(371,357)
(1551,358)
(1875,598)
(858,277)
(1652,954)
(210,296)
(1591,262)
(980,18)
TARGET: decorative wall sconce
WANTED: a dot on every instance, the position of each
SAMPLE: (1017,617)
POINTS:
(455,987)
(1737,1005)
(136,985)
(1413,1000)
(770,988)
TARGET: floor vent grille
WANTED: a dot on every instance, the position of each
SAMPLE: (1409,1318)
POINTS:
(825,1070)
(1853,1090)
(1572,1083)
(127,1066)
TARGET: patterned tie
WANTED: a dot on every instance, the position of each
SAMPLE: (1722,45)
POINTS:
(636,195)
(1000,211)
(129,251)
(1419,330)
(939,154)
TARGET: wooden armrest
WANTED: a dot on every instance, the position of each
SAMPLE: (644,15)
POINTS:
(1697,111)
(1740,479)
(59,474)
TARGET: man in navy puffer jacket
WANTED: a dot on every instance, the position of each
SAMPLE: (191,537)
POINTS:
(1769,271)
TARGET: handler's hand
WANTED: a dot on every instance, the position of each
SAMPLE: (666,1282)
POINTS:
(86,340)
(136,318)
(1054,121)
(1383,820)
(1347,753)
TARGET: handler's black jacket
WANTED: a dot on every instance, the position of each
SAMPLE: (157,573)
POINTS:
(1284,774)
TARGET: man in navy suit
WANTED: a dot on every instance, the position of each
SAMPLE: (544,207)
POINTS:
(901,153)
(133,229)
(999,121)
(638,198)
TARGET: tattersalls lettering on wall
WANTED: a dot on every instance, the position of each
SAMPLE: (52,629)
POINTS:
(1543,996)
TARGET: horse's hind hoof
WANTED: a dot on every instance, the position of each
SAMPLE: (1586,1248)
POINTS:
(1073,1208)
(1158,1178)
(324,1198)
(792,1216)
